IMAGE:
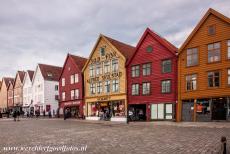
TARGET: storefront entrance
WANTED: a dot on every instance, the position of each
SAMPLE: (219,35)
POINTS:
(72,111)
(137,112)
(219,109)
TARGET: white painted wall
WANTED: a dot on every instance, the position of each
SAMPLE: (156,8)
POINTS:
(27,90)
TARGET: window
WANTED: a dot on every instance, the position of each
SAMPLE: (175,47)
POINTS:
(166,66)
(56,87)
(191,82)
(228,76)
(135,89)
(136,71)
(76,93)
(91,70)
(115,65)
(161,111)
(72,79)
(192,57)
(146,69)
(106,66)
(98,69)
(149,48)
(211,30)
(99,87)
(115,85)
(92,88)
(102,51)
(76,80)
(166,86)
(214,52)
(72,94)
(107,86)
(214,79)
(146,88)
(228,49)
(63,82)
(63,96)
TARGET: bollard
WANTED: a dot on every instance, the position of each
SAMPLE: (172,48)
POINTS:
(224,144)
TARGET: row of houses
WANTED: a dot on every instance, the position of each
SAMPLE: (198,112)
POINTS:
(151,81)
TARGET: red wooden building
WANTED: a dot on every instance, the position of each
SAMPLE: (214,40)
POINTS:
(152,79)
(71,86)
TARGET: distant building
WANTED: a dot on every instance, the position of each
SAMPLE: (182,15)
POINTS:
(10,96)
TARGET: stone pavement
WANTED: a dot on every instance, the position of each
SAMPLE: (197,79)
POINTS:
(110,137)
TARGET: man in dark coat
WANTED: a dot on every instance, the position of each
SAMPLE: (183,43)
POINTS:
(15,115)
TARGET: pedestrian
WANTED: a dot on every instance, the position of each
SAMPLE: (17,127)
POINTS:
(18,115)
(65,114)
(50,114)
(44,113)
(0,114)
(14,115)
(53,113)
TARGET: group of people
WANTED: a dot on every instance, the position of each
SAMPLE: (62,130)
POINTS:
(16,115)
(105,114)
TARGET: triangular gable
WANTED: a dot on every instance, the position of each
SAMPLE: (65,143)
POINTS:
(108,41)
(35,73)
(201,22)
(158,38)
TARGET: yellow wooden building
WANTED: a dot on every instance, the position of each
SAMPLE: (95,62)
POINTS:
(105,80)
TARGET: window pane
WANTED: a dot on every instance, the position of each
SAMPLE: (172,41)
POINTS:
(229,76)
(214,52)
(192,57)
(154,111)
(160,113)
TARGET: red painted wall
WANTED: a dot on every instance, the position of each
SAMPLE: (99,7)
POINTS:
(158,54)
(68,87)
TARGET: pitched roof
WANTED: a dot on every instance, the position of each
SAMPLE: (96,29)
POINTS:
(21,75)
(0,84)
(207,14)
(31,74)
(49,72)
(160,39)
(79,61)
(8,80)
(126,50)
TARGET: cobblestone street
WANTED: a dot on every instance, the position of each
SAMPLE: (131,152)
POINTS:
(107,137)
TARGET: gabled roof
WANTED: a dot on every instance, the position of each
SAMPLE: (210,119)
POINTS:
(31,74)
(207,14)
(21,75)
(8,80)
(10,83)
(78,61)
(126,50)
(0,84)
(50,72)
(157,37)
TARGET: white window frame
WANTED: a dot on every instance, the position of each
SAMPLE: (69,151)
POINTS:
(62,82)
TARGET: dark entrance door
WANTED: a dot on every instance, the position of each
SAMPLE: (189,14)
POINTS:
(137,112)
(187,113)
(219,109)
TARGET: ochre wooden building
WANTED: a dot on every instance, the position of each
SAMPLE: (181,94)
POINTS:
(105,80)
(204,71)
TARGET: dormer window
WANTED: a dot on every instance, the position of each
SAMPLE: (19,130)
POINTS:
(102,51)
(149,48)
(212,30)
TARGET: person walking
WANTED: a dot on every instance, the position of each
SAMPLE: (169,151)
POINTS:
(44,113)
(18,115)
(50,114)
(14,115)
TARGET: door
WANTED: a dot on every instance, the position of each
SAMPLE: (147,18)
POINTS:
(219,109)
(187,111)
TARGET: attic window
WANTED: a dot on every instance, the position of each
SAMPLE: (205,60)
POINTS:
(211,30)
(102,51)
(149,48)
(49,74)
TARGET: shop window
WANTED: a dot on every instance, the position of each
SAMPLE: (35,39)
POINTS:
(115,65)
(94,109)
(203,107)
(228,49)
(191,82)
(92,88)
(76,79)
(63,82)
(135,89)
(192,57)
(63,96)
(48,108)
(214,79)
(146,88)
(146,69)
(106,66)
(168,111)
(229,76)
(118,109)
(166,66)
(115,87)
(107,86)
(136,71)
(166,86)
(72,79)
(91,70)
(98,69)
(99,87)
(214,52)
(72,94)
(161,111)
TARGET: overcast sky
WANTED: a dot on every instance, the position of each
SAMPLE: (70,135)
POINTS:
(44,31)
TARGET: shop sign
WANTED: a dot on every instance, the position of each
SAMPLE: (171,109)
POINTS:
(72,103)
(104,98)
(104,104)
(96,79)
(111,76)
(108,56)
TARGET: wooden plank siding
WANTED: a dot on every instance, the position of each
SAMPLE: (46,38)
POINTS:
(200,40)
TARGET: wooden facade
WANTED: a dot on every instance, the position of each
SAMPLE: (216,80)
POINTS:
(154,50)
(209,42)
(10,95)
(72,71)
(18,89)
(105,79)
